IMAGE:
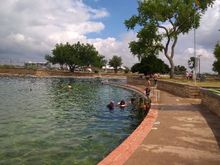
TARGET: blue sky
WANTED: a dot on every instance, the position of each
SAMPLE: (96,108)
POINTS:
(119,11)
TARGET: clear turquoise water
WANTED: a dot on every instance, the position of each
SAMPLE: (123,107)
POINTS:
(42,121)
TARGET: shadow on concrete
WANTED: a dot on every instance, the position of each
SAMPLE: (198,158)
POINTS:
(190,107)
(213,121)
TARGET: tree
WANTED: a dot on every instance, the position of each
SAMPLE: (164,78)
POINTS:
(77,54)
(161,22)
(216,64)
(58,55)
(149,65)
(179,69)
(191,63)
(100,61)
(115,62)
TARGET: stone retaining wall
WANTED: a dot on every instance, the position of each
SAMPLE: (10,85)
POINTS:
(137,80)
(51,73)
(182,90)
(210,100)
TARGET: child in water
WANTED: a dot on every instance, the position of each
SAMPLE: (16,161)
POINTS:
(111,105)
(122,104)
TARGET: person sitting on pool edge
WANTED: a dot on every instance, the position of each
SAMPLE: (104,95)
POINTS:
(147,105)
(144,105)
(133,101)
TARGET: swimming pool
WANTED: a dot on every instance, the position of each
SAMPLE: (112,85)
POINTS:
(42,121)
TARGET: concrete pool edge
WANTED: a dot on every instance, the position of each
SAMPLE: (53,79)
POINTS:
(121,153)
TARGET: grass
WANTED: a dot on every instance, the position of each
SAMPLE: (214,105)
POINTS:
(208,83)
(5,66)
(213,85)
(216,91)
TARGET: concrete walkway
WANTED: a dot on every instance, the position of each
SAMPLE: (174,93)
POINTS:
(184,133)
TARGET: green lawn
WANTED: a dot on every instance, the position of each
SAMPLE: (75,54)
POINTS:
(217,91)
(212,83)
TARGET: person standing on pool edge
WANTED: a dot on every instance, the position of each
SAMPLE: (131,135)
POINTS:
(155,77)
(147,86)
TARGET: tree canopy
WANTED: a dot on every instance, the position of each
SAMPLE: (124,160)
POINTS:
(161,22)
(149,65)
(216,64)
(192,63)
(115,62)
(179,69)
(77,54)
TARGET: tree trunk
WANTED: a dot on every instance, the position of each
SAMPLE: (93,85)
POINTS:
(170,58)
(61,66)
(171,67)
(116,70)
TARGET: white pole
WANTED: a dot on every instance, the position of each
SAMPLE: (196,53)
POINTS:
(194,73)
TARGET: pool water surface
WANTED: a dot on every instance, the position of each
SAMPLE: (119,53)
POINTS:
(43,121)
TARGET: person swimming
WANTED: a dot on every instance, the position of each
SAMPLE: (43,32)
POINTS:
(69,86)
(111,105)
(122,104)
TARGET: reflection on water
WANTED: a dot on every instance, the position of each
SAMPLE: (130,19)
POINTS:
(42,121)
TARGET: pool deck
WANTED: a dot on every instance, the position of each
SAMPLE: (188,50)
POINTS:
(183,132)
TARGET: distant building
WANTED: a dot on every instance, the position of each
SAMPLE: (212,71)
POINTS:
(108,68)
(37,65)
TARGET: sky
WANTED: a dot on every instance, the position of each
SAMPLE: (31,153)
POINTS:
(29,29)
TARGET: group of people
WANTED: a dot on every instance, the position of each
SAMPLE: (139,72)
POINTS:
(120,104)
(139,104)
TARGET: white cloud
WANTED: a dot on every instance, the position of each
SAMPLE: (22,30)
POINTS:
(32,28)
(99,13)
(207,36)
(17,37)
(112,46)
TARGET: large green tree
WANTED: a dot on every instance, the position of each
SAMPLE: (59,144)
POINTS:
(216,64)
(77,54)
(57,55)
(149,65)
(115,62)
(160,22)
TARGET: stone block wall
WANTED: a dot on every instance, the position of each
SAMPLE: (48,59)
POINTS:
(210,100)
(182,90)
(138,80)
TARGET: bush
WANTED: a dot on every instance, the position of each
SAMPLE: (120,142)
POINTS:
(126,70)
(7,66)
(33,67)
